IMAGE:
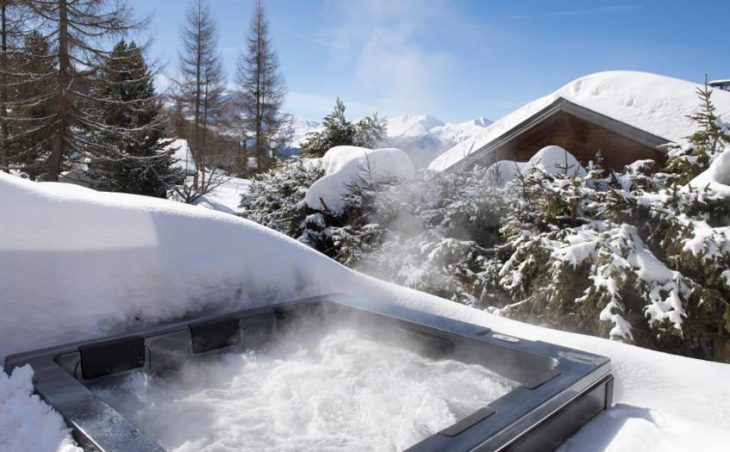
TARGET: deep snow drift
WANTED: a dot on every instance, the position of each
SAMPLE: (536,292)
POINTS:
(77,264)
(344,165)
(650,102)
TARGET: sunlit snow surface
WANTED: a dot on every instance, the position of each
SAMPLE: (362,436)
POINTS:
(340,390)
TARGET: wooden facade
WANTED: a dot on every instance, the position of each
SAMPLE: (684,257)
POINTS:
(580,131)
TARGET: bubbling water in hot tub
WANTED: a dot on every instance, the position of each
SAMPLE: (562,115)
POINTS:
(319,389)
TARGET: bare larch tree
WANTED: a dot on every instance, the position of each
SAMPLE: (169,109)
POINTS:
(261,90)
(77,31)
(12,18)
(201,84)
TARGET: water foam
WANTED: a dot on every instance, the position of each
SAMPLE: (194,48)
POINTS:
(326,391)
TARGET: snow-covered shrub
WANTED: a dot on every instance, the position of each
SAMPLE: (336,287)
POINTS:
(637,255)
(687,162)
(633,256)
(433,232)
(439,231)
(369,132)
(276,198)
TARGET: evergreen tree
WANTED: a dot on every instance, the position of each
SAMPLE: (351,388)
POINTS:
(202,82)
(262,91)
(9,28)
(132,137)
(76,31)
(32,111)
(338,131)
(689,161)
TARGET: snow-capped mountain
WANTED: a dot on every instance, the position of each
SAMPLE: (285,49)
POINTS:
(423,137)
(299,128)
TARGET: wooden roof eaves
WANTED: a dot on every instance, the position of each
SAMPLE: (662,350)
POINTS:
(564,105)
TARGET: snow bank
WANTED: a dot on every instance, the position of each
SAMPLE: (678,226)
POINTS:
(227,196)
(76,264)
(345,164)
(109,261)
(26,422)
(650,102)
(182,156)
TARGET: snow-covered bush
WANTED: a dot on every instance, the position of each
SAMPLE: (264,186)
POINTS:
(687,162)
(276,198)
(638,255)
(633,256)
(431,232)
(369,132)
(441,228)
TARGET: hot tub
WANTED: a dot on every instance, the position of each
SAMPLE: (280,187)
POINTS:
(324,373)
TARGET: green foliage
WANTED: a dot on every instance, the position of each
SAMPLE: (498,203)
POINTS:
(30,141)
(276,198)
(631,255)
(338,131)
(127,137)
(704,145)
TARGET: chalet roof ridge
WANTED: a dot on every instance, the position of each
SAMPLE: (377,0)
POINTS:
(565,105)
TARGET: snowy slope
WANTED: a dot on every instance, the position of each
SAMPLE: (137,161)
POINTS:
(227,196)
(299,128)
(109,261)
(651,102)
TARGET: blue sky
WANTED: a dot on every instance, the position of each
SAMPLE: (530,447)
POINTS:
(457,59)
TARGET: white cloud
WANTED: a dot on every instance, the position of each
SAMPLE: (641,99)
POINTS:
(391,52)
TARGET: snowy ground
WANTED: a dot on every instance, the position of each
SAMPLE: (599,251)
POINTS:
(76,264)
(227,196)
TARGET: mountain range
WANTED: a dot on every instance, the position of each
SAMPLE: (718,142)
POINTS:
(422,136)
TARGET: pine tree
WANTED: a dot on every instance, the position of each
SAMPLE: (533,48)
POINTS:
(262,92)
(29,119)
(18,88)
(687,162)
(76,31)
(6,31)
(338,131)
(201,84)
(133,160)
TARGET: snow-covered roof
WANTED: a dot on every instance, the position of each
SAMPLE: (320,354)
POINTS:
(182,156)
(653,103)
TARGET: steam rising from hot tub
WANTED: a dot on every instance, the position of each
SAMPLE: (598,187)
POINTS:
(315,387)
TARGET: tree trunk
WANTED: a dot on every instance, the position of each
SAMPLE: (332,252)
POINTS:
(64,81)
(4,153)
(198,151)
